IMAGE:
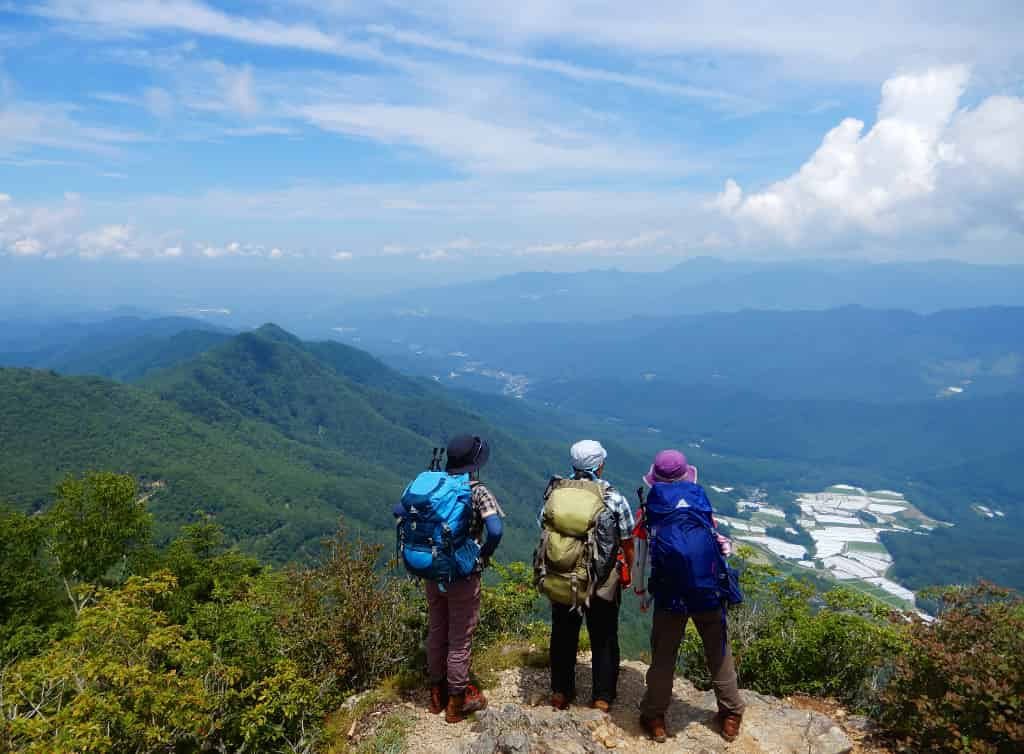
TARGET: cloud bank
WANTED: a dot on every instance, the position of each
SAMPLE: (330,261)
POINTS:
(926,166)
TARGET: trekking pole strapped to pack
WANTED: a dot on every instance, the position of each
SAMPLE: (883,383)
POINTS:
(640,550)
(433,532)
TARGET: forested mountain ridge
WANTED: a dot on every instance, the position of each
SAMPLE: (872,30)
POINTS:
(276,436)
(123,348)
(273,436)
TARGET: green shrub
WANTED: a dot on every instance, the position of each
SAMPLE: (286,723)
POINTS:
(124,680)
(347,625)
(508,608)
(959,687)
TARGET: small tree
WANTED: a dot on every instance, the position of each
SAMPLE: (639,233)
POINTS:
(32,609)
(960,685)
(96,523)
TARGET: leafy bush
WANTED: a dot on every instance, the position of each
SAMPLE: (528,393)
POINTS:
(124,680)
(959,687)
(345,624)
(508,608)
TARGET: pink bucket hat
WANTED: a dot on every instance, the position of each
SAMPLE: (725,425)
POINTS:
(670,466)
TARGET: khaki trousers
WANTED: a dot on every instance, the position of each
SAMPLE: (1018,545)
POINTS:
(666,636)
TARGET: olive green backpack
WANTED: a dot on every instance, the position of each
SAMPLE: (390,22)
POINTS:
(571,559)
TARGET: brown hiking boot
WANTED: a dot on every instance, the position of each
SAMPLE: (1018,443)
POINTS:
(462,705)
(438,699)
(655,728)
(475,700)
(559,700)
(453,712)
(601,704)
(729,725)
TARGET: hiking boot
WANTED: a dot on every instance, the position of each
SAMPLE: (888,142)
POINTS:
(655,728)
(460,706)
(559,700)
(475,700)
(729,725)
(453,712)
(601,704)
(438,699)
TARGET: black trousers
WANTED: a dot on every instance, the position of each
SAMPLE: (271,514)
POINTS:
(603,627)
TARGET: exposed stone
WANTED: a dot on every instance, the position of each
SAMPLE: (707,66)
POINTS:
(509,726)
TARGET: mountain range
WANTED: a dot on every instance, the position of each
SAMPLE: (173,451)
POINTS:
(705,284)
(276,436)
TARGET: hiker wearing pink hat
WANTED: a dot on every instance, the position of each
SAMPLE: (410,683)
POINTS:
(670,466)
(677,530)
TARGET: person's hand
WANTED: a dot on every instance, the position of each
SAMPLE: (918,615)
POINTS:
(724,544)
(484,562)
(625,575)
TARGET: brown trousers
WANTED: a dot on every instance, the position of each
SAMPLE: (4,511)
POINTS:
(666,635)
(454,614)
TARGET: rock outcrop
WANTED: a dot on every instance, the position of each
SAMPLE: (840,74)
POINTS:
(518,721)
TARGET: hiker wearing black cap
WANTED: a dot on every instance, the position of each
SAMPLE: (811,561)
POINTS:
(453,598)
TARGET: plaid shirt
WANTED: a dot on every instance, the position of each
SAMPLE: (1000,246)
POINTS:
(484,504)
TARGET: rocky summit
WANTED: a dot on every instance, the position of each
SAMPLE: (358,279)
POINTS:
(519,721)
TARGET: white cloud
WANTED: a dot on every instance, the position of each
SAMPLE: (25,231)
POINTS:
(342,256)
(561,68)
(108,240)
(594,245)
(922,166)
(26,247)
(25,125)
(64,230)
(199,18)
(479,144)
(802,38)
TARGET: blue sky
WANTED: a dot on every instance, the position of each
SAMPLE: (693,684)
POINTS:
(397,138)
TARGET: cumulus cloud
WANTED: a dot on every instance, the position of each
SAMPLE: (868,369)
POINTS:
(63,230)
(924,164)
(109,240)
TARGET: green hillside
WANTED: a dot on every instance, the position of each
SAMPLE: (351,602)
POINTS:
(274,437)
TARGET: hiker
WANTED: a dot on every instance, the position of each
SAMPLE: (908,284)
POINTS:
(579,564)
(452,509)
(690,579)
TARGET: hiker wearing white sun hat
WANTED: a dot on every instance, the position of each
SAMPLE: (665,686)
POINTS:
(580,565)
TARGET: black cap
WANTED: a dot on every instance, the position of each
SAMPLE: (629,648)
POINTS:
(466,454)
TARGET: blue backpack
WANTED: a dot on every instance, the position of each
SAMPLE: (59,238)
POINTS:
(433,532)
(689,574)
